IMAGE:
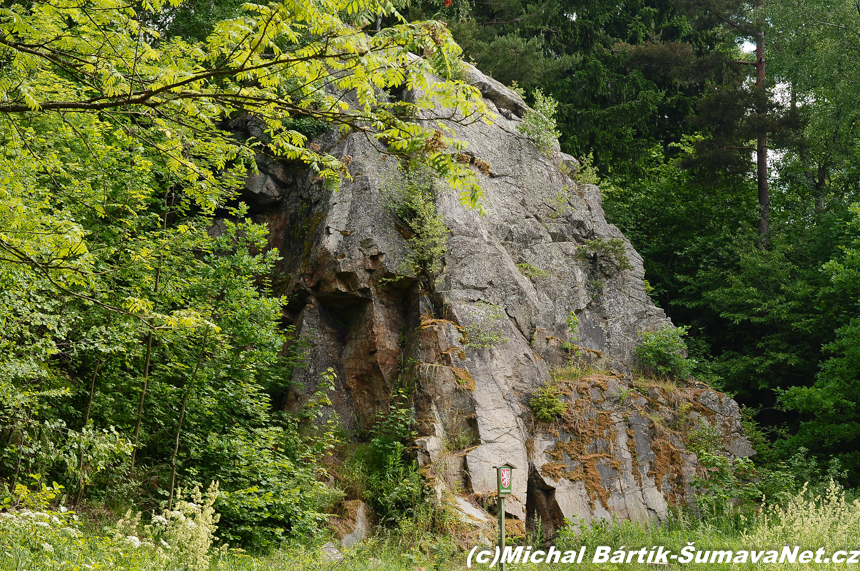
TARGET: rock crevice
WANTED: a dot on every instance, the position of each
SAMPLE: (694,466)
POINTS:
(477,339)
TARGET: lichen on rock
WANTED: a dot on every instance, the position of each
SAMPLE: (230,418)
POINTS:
(619,450)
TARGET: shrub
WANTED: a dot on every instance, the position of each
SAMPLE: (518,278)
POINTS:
(272,480)
(663,352)
(411,196)
(539,123)
(573,334)
(610,254)
(724,483)
(484,331)
(395,488)
(587,172)
(546,403)
(560,204)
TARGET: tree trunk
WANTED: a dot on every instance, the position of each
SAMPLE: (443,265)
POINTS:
(147,359)
(80,493)
(182,417)
(761,143)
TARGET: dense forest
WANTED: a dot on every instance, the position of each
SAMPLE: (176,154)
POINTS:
(143,354)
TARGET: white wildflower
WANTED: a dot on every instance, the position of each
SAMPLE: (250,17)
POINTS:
(71,531)
(133,540)
(48,547)
(164,543)
(42,523)
(159,520)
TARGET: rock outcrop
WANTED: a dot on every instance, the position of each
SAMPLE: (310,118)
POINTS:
(539,281)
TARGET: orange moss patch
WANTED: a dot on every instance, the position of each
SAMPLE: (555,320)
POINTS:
(631,447)
(464,379)
(427,322)
(586,425)
(665,407)
(514,528)
(668,463)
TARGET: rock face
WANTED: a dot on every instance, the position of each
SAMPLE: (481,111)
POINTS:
(353,526)
(539,281)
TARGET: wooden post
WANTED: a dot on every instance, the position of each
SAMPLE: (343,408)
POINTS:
(505,485)
(502,530)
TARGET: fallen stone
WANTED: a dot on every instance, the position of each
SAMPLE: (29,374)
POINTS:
(331,553)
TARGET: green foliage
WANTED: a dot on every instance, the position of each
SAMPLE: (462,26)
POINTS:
(829,405)
(184,89)
(663,352)
(625,79)
(547,404)
(411,196)
(572,326)
(801,473)
(572,332)
(609,255)
(141,346)
(586,173)
(484,332)
(560,204)
(394,487)
(532,272)
(723,483)
(539,123)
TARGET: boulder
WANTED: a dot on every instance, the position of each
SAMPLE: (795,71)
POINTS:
(353,525)
(476,339)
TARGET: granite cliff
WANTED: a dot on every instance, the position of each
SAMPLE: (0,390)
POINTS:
(536,285)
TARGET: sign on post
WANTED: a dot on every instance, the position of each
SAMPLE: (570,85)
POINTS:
(505,481)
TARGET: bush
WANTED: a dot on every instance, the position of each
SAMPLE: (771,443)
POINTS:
(395,488)
(485,331)
(663,352)
(272,480)
(610,254)
(539,123)
(547,404)
(726,486)
(411,196)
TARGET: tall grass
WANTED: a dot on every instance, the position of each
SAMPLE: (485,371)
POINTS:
(33,537)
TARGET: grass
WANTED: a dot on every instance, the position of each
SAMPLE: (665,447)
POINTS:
(42,540)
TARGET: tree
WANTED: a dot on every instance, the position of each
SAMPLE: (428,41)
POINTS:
(829,408)
(625,79)
(129,317)
(730,107)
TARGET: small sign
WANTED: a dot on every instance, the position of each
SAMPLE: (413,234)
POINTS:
(505,476)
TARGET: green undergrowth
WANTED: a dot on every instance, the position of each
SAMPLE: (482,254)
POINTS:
(830,520)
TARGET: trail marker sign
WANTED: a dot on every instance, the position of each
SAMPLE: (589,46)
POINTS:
(505,479)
